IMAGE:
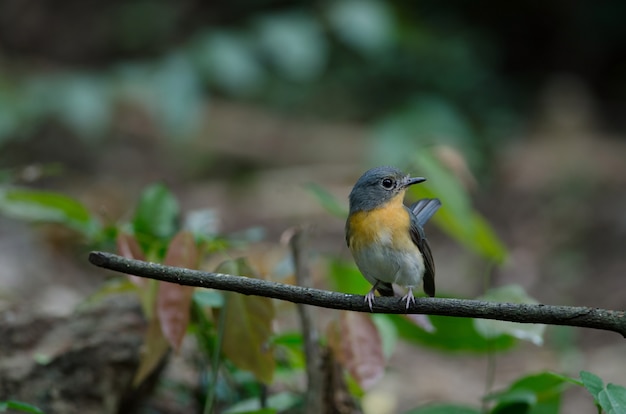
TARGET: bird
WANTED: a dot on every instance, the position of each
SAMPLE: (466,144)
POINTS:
(386,238)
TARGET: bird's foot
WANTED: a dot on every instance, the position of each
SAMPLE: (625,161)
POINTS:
(369,298)
(409,298)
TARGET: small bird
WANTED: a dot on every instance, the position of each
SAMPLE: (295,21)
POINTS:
(386,238)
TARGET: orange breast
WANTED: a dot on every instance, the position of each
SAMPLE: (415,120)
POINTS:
(388,225)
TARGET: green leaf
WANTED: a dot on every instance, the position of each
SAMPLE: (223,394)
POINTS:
(515,401)
(543,383)
(47,207)
(156,216)
(444,409)
(493,328)
(451,334)
(290,339)
(516,397)
(328,201)
(592,383)
(515,408)
(534,394)
(291,349)
(613,399)
(19,406)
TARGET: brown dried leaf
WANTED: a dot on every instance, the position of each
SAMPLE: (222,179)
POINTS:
(128,247)
(173,300)
(360,348)
(248,327)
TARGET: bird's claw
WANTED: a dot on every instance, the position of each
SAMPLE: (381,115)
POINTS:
(409,298)
(369,298)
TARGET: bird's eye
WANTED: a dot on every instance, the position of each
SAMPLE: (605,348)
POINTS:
(387,183)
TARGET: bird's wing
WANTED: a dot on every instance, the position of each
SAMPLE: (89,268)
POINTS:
(422,211)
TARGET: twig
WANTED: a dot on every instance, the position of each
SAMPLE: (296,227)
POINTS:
(313,402)
(609,320)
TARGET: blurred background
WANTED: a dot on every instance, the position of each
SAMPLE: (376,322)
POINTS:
(261,110)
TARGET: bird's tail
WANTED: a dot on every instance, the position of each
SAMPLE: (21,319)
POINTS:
(425,208)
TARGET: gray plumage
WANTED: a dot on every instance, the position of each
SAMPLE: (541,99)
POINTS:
(370,184)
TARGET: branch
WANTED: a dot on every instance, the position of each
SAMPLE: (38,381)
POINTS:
(315,380)
(609,320)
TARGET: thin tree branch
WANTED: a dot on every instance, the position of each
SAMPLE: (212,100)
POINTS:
(315,384)
(609,320)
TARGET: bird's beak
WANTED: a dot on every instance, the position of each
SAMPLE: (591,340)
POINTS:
(413,180)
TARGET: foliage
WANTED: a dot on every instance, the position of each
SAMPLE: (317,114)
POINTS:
(610,398)
(46,207)
(235,331)
(536,393)
(156,233)
(402,70)
(372,63)
(230,327)
(19,406)
(235,334)
(539,394)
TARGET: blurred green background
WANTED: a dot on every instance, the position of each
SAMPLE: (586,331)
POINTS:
(239,106)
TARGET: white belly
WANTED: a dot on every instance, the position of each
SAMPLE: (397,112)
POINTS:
(404,268)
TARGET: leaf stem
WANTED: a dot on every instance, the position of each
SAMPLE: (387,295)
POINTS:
(209,403)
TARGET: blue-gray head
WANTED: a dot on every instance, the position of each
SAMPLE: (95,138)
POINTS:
(377,186)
